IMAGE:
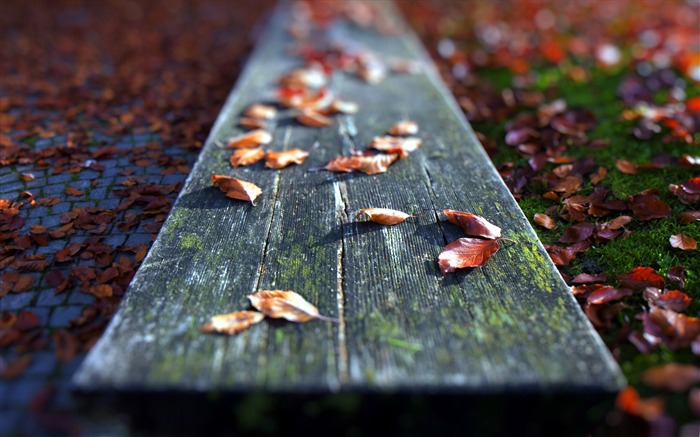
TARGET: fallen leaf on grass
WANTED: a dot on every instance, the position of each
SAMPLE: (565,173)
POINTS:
(472,224)
(641,277)
(545,221)
(286,158)
(626,167)
(246,157)
(237,188)
(674,300)
(607,294)
(683,242)
(687,217)
(279,304)
(384,216)
(232,323)
(648,207)
(365,164)
(629,402)
(677,274)
(672,377)
(403,128)
(250,140)
(466,252)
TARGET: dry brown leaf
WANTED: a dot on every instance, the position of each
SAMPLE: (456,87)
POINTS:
(466,252)
(404,128)
(279,304)
(683,242)
(672,376)
(311,118)
(70,191)
(250,140)
(387,143)
(26,177)
(260,111)
(285,158)
(626,167)
(687,217)
(384,216)
(472,224)
(246,157)
(24,283)
(365,164)
(237,188)
(253,123)
(545,221)
(15,367)
(232,323)
(67,345)
(344,107)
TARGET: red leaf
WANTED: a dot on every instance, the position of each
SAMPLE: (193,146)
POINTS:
(466,252)
(607,294)
(641,277)
(648,207)
(472,224)
(674,300)
(677,274)
(683,242)
(586,278)
(578,232)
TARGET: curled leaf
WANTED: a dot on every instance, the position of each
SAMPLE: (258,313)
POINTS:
(472,224)
(249,140)
(403,128)
(279,304)
(246,157)
(545,221)
(286,158)
(387,143)
(311,118)
(672,377)
(365,164)
(237,188)
(466,252)
(260,111)
(384,216)
(683,242)
(232,323)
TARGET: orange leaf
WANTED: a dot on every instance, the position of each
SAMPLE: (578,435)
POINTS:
(246,157)
(466,252)
(286,158)
(70,191)
(288,305)
(343,107)
(258,110)
(24,283)
(252,123)
(683,242)
(545,221)
(672,377)
(387,143)
(384,216)
(101,290)
(232,323)
(472,224)
(313,119)
(26,177)
(249,140)
(626,167)
(237,188)
(366,164)
(403,128)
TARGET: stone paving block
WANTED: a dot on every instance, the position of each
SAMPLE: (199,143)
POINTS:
(12,187)
(77,297)
(61,178)
(61,316)
(54,219)
(138,238)
(110,203)
(55,189)
(80,184)
(89,175)
(43,364)
(173,178)
(48,297)
(98,193)
(24,390)
(42,313)
(38,212)
(14,302)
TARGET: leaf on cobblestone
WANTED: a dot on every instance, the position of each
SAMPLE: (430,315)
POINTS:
(24,283)
(232,323)
(67,345)
(101,290)
(15,367)
(34,263)
(70,191)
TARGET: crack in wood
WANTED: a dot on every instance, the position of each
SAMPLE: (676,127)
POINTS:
(341,210)
(429,181)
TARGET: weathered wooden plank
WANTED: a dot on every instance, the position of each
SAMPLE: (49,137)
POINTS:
(511,326)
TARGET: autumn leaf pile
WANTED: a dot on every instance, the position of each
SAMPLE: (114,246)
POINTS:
(591,114)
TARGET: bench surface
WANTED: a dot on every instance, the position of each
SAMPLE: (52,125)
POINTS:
(509,327)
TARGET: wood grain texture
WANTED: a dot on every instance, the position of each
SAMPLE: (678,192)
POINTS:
(511,326)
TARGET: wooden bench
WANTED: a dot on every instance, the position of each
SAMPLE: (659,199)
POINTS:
(475,339)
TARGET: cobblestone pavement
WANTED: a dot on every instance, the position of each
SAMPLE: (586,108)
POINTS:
(38,400)
(103,108)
